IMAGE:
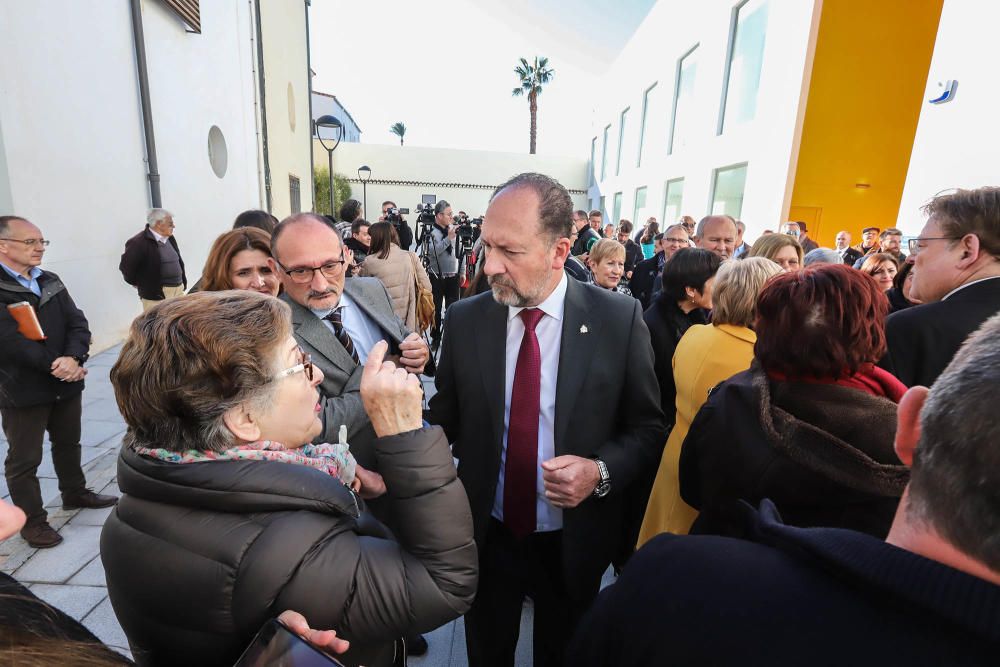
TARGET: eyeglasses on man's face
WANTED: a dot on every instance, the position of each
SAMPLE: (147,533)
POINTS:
(30,242)
(304,274)
(914,244)
(305,365)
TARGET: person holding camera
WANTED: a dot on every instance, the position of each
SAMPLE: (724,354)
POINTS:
(442,264)
(391,213)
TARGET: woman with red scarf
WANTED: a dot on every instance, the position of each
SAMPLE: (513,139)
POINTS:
(811,424)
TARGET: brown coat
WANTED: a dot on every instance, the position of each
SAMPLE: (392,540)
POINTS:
(396,273)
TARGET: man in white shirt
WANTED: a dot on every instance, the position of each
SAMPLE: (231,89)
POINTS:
(547,390)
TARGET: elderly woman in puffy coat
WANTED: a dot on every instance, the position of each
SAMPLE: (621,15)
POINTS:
(399,270)
(227,519)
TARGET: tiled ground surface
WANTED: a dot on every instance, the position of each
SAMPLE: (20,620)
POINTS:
(70,576)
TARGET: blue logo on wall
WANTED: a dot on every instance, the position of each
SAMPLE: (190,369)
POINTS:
(950,86)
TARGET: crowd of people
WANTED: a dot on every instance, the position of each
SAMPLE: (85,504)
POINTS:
(736,428)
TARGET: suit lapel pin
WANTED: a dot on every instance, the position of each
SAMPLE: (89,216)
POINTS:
(583,328)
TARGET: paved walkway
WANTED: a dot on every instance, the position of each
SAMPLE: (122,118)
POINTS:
(71,576)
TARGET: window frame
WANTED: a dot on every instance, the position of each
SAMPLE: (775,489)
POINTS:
(677,93)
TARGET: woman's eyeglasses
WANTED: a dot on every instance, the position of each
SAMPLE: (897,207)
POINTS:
(305,364)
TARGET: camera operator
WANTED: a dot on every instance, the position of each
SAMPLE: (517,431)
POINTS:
(390,213)
(442,264)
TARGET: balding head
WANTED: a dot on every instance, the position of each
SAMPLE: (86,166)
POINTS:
(718,234)
(307,241)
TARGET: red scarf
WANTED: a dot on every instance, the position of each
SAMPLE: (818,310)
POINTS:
(870,379)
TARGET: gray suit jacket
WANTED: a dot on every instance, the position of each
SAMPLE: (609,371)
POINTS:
(340,392)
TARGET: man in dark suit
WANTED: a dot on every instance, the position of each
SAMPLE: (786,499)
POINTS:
(956,274)
(546,388)
(338,321)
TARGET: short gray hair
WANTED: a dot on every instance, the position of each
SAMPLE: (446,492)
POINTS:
(156,215)
(955,480)
(700,229)
(821,256)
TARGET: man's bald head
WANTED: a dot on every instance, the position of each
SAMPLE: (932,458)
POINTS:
(718,234)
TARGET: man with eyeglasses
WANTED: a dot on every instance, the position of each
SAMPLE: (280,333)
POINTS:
(152,261)
(41,381)
(956,273)
(338,321)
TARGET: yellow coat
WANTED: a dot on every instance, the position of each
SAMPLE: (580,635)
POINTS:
(705,356)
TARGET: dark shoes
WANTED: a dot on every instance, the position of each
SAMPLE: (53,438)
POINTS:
(41,536)
(88,500)
(416,645)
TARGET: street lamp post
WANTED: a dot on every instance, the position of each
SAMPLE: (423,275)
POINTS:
(365,174)
(331,123)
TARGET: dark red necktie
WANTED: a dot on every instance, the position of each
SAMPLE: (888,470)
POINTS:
(521,468)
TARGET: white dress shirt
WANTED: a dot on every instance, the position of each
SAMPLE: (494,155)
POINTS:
(549,334)
(160,238)
(363,331)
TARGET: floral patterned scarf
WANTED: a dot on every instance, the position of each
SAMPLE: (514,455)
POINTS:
(335,460)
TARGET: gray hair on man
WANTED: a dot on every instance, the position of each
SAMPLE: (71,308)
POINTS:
(700,230)
(955,478)
(819,256)
(157,215)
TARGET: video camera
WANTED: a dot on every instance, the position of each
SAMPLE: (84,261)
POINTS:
(467,232)
(425,218)
(395,215)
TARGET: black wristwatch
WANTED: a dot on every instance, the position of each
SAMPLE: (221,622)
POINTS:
(603,486)
(80,360)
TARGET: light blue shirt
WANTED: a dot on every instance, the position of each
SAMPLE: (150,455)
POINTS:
(31,283)
(363,331)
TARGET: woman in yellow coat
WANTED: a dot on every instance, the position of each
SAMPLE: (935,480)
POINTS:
(706,355)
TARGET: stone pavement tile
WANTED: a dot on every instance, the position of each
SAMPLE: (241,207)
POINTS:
(91,517)
(439,643)
(106,358)
(91,575)
(103,623)
(81,544)
(102,433)
(103,410)
(77,601)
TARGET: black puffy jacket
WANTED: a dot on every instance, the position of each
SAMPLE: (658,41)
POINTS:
(26,365)
(199,555)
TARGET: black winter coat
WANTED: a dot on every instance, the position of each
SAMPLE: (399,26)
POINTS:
(199,555)
(25,365)
(644,278)
(140,264)
(667,323)
(822,453)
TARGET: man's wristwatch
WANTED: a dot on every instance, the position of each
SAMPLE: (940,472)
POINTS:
(80,360)
(603,486)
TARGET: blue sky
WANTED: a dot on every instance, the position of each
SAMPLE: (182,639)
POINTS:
(445,67)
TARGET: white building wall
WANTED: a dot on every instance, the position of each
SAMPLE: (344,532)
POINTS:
(956,143)
(73,143)
(767,144)
(326,104)
(445,172)
(286,75)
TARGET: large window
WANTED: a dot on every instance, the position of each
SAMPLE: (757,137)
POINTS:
(618,209)
(621,140)
(727,190)
(604,153)
(746,55)
(593,165)
(640,204)
(642,125)
(673,195)
(684,117)
(604,209)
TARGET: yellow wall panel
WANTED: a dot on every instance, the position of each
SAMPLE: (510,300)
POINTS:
(865,93)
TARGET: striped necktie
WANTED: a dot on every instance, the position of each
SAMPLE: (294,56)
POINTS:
(335,318)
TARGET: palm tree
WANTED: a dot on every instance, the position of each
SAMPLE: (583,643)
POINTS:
(399,130)
(533,77)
